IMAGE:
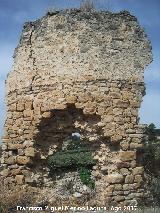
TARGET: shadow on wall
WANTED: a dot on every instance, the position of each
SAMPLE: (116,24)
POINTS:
(59,125)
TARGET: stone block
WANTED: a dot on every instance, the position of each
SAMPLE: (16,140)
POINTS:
(3,163)
(15,171)
(135,145)
(128,187)
(29,152)
(109,190)
(27,143)
(133,164)
(96,174)
(28,105)
(115,178)
(9,122)
(15,146)
(5,172)
(28,114)
(124,171)
(20,106)
(118,193)
(19,179)
(129,179)
(120,103)
(17,115)
(104,168)
(134,112)
(47,114)
(10,160)
(4,147)
(138,179)
(29,180)
(124,145)
(14,166)
(12,107)
(60,106)
(119,198)
(137,185)
(108,119)
(115,95)
(23,160)
(83,97)
(127,155)
(138,171)
(90,108)
(127,95)
(135,104)
(71,99)
(118,187)
(6,140)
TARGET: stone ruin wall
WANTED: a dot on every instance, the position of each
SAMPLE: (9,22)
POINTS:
(83,72)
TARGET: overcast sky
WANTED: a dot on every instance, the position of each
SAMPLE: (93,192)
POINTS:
(13,14)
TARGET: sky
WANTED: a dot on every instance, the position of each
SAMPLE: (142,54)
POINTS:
(14,13)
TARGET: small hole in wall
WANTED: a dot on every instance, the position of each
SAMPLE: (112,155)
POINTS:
(104,172)
(140,154)
(114,148)
(15,152)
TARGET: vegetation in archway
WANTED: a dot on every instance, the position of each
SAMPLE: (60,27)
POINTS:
(76,156)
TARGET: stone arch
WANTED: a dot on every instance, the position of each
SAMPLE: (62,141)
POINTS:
(57,125)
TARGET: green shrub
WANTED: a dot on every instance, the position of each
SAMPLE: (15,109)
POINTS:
(71,159)
(151,150)
(155,189)
(151,162)
(157,153)
(85,176)
(74,156)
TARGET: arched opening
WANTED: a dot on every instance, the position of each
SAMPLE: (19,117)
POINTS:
(56,128)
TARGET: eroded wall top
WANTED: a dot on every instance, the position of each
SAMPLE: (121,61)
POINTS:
(81,46)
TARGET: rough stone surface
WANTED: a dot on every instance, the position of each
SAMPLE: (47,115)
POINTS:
(23,160)
(128,155)
(29,152)
(19,179)
(84,72)
(115,178)
(138,171)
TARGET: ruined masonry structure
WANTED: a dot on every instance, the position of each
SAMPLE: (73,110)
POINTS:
(82,72)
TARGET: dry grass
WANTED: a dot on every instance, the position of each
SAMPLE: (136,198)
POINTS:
(13,196)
